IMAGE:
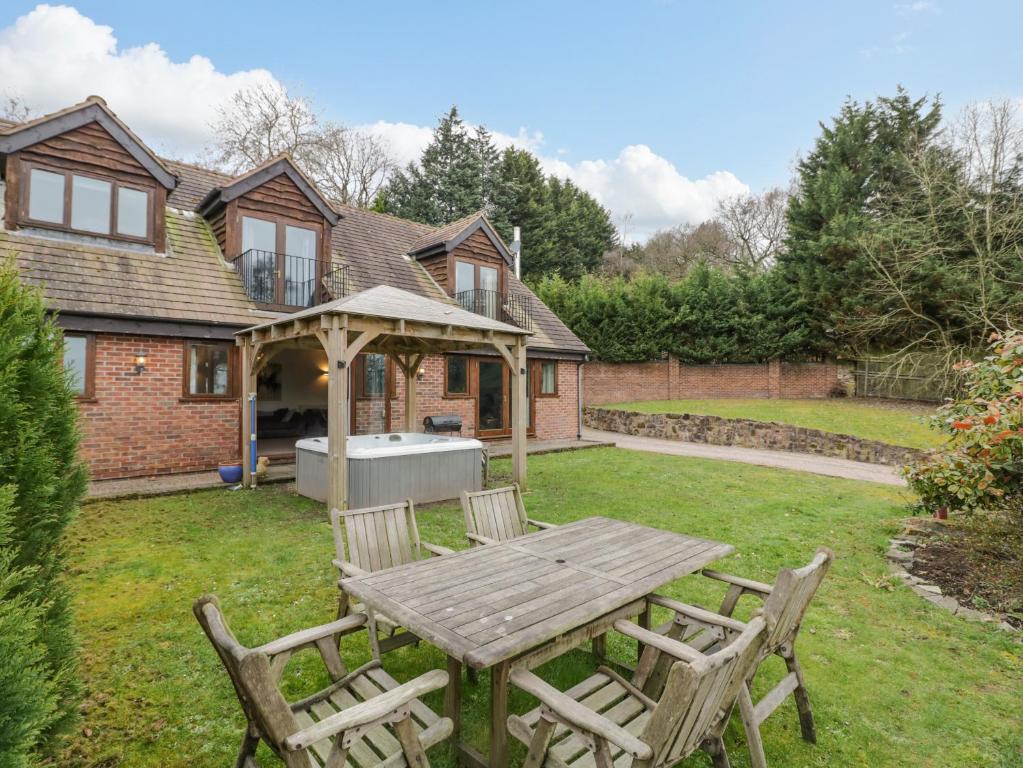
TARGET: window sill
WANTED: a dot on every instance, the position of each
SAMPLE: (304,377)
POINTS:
(208,399)
(446,396)
(86,399)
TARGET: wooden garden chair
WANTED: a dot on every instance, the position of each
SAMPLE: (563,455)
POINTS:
(372,539)
(364,718)
(608,721)
(784,606)
(497,515)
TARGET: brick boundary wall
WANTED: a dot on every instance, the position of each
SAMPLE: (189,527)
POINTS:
(716,430)
(672,380)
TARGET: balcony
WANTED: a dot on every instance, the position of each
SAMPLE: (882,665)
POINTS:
(281,280)
(512,308)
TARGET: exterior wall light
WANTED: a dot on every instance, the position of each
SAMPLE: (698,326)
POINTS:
(140,362)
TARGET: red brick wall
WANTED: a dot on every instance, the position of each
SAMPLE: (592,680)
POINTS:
(671,380)
(140,425)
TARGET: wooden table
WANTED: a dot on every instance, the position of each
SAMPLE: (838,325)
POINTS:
(525,601)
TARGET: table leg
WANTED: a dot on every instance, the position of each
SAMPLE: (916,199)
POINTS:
(499,715)
(599,644)
(644,622)
(453,697)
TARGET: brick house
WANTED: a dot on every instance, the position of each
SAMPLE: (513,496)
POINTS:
(153,265)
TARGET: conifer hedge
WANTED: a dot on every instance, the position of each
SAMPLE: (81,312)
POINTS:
(709,316)
(41,484)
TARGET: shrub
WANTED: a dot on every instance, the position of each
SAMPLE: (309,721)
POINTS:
(981,467)
(41,484)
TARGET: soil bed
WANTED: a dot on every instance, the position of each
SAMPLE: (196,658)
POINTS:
(979,563)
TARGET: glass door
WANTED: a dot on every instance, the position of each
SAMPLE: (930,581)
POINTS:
(259,240)
(492,398)
(299,266)
(489,292)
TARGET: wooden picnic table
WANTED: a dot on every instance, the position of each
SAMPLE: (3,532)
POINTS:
(525,601)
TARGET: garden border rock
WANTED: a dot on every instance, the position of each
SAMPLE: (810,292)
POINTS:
(900,556)
(747,433)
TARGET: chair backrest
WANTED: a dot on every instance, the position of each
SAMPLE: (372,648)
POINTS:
(698,696)
(377,537)
(498,514)
(790,597)
(253,680)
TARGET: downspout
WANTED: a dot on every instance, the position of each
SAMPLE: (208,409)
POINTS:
(579,398)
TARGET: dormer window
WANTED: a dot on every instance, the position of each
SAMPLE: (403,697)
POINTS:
(89,204)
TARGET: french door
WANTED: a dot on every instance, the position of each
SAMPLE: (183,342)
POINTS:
(494,401)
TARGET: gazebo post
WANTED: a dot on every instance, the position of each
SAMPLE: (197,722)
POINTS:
(520,412)
(246,366)
(337,400)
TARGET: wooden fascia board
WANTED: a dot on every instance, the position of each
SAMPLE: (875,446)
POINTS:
(90,113)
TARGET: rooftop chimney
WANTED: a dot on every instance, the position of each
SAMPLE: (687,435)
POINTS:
(516,249)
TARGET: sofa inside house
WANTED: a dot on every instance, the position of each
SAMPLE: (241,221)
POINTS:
(292,422)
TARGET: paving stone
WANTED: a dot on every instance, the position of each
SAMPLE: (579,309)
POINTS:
(928,589)
(972,614)
(899,556)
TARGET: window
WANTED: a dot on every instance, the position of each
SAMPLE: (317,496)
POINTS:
(79,361)
(465,276)
(299,241)
(258,234)
(81,203)
(90,204)
(374,375)
(132,212)
(548,378)
(47,200)
(456,376)
(208,370)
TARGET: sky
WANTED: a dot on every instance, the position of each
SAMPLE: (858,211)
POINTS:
(657,108)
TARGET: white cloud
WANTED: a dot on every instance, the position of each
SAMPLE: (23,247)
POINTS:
(649,189)
(54,56)
(920,6)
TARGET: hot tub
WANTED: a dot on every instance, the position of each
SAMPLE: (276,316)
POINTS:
(391,467)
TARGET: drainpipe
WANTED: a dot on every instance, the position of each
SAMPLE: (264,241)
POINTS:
(579,399)
(516,249)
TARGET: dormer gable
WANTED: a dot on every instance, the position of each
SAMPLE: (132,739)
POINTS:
(275,227)
(82,171)
(468,259)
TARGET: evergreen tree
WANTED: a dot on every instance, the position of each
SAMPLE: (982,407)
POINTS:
(856,161)
(563,229)
(41,484)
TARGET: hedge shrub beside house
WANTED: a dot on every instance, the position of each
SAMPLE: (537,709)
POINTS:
(41,484)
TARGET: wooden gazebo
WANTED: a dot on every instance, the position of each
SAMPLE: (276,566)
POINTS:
(386,320)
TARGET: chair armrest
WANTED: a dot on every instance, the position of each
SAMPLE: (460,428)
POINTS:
(582,717)
(369,711)
(748,584)
(697,614)
(481,539)
(436,549)
(305,637)
(660,642)
(540,524)
(348,569)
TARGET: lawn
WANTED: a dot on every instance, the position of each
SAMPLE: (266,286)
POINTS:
(894,681)
(887,421)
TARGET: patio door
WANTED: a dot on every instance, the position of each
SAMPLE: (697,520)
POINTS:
(494,402)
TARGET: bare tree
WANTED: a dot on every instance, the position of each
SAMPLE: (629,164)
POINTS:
(674,250)
(264,121)
(14,109)
(945,256)
(756,227)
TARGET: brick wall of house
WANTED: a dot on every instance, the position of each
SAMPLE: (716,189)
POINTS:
(671,380)
(556,417)
(140,424)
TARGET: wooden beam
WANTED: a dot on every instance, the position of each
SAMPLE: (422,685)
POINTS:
(520,412)
(337,405)
(507,354)
(355,347)
(411,368)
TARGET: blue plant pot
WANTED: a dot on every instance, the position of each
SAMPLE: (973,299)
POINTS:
(230,473)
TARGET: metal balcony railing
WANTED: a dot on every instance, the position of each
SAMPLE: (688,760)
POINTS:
(289,281)
(513,308)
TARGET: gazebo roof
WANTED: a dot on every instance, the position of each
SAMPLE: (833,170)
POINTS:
(387,303)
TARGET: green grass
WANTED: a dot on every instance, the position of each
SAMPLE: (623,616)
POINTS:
(894,681)
(897,424)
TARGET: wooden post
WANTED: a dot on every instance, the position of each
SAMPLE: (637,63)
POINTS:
(520,412)
(246,425)
(410,370)
(337,404)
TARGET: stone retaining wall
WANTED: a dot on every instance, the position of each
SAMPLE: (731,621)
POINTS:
(745,433)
